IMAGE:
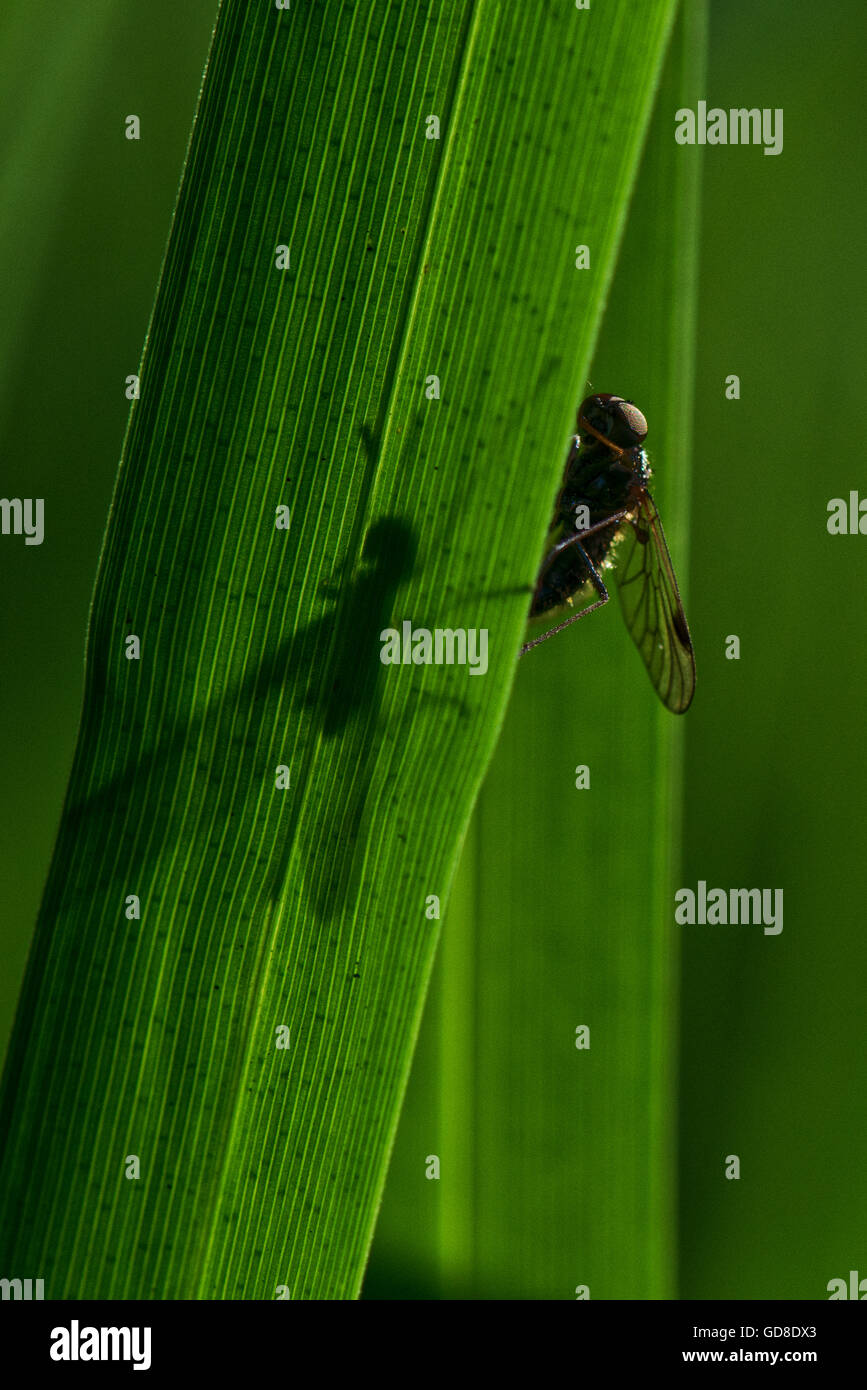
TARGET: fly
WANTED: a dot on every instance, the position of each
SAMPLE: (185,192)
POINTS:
(604,514)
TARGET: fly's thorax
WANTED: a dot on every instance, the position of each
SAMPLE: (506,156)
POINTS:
(602,481)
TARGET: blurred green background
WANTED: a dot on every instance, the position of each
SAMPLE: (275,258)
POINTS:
(770,1054)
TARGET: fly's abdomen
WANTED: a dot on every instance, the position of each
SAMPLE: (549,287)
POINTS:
(567,573)
(562,580)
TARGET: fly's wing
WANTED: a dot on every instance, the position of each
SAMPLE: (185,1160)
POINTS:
(652,609)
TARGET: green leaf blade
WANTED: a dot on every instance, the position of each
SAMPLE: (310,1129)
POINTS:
(558,1165)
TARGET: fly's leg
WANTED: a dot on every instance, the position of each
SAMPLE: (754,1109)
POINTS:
(592,573)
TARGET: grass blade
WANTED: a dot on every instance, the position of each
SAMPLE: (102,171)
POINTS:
(558,1165)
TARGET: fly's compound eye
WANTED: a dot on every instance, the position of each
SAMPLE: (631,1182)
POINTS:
(614,418)
(628,425)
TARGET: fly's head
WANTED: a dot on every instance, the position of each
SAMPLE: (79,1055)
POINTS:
(612,420)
